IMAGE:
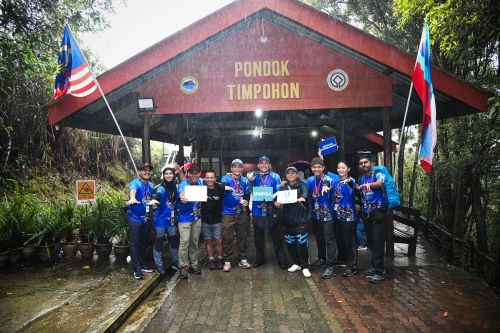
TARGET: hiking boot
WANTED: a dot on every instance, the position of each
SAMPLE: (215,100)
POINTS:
(138,276)
(160,271)
(370,272)
(362,248)
(212,265)
(227,266)
(294,268)
(258,264)
(220,263)
(377,278)
(349,272)
(175,267)
(319,263)
(328,273)
(146,269)
(195,270)
(306,273)
(183,273)
(244,264)
(283,265)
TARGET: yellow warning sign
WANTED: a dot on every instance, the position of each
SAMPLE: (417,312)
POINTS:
(85,191)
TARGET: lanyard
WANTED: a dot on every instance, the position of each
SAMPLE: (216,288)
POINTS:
(317,186)
(236,183)
(264,183)
(144,188)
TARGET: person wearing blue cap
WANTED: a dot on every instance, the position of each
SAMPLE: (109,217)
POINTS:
(264,215)
(234,217)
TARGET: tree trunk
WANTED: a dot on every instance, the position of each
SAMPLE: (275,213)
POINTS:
(401,162)
(478,212)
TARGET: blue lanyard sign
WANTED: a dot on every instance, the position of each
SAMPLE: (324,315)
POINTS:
(328,146)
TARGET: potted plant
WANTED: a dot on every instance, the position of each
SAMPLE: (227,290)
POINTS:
(65,220)
(103,226)
(44,237)
(86,233)
(120,227)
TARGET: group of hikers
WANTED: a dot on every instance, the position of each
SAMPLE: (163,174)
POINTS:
(332,203)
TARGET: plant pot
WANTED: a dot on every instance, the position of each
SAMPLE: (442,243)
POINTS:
(28,251)
(69,250)
(86,250)
(4,259)
(15,255)
(57,249)
(103,250)
(45,252)
(121,252)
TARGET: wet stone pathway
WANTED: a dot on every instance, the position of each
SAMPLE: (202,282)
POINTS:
(421,294)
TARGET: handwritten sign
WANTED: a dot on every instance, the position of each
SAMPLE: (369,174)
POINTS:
(195,193)
(328,146)
(261,193)
(85,192)
(287,197)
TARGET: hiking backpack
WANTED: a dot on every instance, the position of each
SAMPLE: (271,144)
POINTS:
(390,190)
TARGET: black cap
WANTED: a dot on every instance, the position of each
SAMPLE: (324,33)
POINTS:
(146,165)
(317,161)
(290,168)
(194,168)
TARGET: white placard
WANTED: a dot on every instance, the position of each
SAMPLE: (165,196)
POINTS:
(195,193)
(287,197)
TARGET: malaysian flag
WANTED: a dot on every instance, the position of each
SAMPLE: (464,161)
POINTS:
(74,76)
(422,80)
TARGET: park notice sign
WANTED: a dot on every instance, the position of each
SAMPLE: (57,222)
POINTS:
(328,146)
(85,191)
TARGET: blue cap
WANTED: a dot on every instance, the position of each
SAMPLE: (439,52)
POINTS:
(237,161)
(264,158)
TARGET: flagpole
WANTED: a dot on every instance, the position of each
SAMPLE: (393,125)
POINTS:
(108,106)
(403,126)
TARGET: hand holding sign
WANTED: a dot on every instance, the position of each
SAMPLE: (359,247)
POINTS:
(287,197)
(328,146)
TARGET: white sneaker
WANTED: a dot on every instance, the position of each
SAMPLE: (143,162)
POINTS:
(294,268)
(227,266)
(306,273)
(244,264)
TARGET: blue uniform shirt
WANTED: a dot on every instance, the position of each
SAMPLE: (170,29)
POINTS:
(375,198)
(168,205)
(268,180)
(144,193)
(231,199)
(344,201)
(191,211)
(321,204)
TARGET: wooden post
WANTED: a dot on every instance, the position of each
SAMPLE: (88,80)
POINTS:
(221,158)
(386,116)
(146,134)
(179,159)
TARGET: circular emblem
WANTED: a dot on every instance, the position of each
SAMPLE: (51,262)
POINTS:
(189,84)
(337,80)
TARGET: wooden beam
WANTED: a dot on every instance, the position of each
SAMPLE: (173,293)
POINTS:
(386,114)
(146,136)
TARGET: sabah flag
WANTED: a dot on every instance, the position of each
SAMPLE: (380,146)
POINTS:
(422,80)
(74,76)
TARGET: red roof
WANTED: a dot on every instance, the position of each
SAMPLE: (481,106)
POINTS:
(343,33)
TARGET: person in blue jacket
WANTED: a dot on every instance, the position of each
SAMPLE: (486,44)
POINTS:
(344,204)
(234,216)
(189,225)
(264,215)
(139,218)
(374,213)
(322,216)
(165,219)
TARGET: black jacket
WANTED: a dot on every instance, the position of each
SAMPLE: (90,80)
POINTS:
(296,213)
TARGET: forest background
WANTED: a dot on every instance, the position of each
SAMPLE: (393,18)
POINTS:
(462,194)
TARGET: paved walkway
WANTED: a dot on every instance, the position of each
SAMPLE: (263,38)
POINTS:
(419,295)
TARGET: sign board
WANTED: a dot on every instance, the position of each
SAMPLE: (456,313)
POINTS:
(287,197)
(85,192)
(196,193)
(261,193)
(328,146)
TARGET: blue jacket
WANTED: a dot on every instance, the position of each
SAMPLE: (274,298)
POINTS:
(322,204)
(144,193)
(268,180)
(191,211)
(168,206)
(231,199)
